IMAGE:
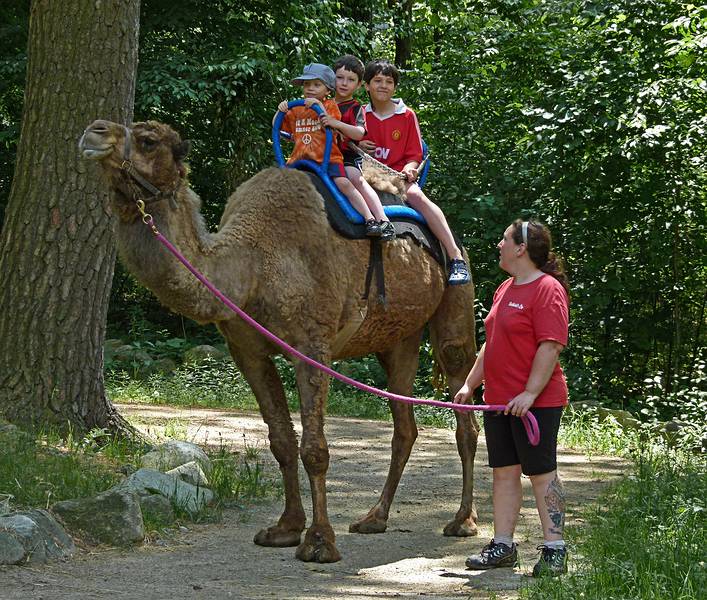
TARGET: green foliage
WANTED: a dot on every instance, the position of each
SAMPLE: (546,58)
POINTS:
(645,539)
(589,116)
(208,384)
(14,19)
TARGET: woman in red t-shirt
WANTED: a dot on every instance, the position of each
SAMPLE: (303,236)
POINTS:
(526,329)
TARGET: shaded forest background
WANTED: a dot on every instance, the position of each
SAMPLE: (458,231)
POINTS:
(589,116)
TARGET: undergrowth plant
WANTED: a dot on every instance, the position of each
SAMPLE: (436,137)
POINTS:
(644,540)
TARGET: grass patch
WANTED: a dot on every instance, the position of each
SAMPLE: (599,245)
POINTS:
(581,429)
(43,469)
(239,477)
(646,538)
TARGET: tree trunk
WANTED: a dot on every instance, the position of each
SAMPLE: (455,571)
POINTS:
(402,19)
(57,248)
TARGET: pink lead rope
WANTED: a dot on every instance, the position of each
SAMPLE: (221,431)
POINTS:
(529,420)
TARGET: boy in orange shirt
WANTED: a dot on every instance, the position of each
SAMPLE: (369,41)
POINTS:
(308,135)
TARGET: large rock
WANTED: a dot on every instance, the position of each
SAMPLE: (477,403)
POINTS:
(182,495)
(11,551)
(174,453)
(112,517)
(190,472)
(623,417)
(157,508)
(198,354)
(33,536)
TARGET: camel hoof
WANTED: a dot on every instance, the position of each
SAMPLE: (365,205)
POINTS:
(276,537)
(461,528)
(368,526)
(317,549)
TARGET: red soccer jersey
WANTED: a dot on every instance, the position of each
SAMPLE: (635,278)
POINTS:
(521,317)
(397,136)
(352,113)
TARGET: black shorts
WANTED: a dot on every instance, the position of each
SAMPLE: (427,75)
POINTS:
(353,160)
(508,444)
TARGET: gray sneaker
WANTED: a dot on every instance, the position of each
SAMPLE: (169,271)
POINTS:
(373,228)
(387,231)
(458,272)
(553,562)
(493,556)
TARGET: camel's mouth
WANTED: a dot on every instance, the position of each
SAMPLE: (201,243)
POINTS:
(94,146)
(95,153)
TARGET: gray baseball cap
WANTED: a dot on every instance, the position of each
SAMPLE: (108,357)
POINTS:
(317,71)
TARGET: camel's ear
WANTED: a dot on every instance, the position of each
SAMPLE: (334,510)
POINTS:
(181,150)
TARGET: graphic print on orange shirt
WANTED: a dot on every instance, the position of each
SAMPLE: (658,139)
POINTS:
(308,134)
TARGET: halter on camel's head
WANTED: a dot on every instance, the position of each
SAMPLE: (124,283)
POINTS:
(141,189)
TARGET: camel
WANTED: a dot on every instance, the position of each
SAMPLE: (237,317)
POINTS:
(275,255)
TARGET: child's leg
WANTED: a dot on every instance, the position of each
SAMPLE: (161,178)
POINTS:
(435,219)
(367,192)
(357,201)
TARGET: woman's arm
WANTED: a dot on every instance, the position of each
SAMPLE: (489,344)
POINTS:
(543,365)
(473,379)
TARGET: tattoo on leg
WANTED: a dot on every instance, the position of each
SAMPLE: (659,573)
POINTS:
(555,502)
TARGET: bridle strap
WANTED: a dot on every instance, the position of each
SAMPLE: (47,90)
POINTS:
(127,166)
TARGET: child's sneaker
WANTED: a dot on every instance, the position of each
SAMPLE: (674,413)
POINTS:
(387,231)
(553,562)
(492,556)
(458,272)
(373,228)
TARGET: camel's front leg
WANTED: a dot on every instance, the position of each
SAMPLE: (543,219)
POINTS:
(262,376)
(319,541)
(452,336)
(400,365)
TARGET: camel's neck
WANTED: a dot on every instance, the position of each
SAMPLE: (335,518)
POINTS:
(216,255)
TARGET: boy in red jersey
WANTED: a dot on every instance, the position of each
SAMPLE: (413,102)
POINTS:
(394,139)
(352,126)
(309,137)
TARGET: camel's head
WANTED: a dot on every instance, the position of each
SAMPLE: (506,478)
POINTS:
(154,153)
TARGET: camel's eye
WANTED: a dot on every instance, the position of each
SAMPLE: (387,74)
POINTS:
(148,143)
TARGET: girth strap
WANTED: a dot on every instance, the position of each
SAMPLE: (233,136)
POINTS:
(375,264)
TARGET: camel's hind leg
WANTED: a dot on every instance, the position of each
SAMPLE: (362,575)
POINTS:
(452,333)
(319,541)
(400,365)
(261,374)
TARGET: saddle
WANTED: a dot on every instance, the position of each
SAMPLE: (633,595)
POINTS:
(404,226)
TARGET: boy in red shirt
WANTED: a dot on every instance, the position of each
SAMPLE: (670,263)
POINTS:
(394,139)
(309,137)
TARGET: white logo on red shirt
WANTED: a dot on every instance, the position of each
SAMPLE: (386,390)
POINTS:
(306,139)
(516,305)
(382,153)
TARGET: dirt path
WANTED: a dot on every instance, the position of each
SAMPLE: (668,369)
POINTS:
(412,559)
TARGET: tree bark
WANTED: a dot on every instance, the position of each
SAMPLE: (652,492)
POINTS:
(57,248)
(402,19)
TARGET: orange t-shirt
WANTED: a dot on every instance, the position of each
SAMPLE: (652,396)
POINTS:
(309,135)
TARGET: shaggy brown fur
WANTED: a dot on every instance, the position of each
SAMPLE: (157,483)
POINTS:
(276,256)
(382,181)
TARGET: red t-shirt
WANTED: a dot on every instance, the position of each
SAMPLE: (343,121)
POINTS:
(520,318)
(397,136)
